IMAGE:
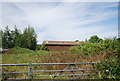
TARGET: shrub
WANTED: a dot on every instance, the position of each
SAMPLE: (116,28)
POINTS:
(89,48)
(109,68)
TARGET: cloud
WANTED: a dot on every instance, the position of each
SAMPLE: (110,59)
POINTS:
(63,20)
(59,0)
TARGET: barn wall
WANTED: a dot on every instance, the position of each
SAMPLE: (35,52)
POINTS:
(58,48)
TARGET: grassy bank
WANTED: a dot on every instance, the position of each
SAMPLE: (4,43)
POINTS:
(22,55)
(105,52)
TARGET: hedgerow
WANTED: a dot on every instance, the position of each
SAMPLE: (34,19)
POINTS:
(108,67)
(89,48)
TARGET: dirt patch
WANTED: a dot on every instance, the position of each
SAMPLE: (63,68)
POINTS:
(8,51)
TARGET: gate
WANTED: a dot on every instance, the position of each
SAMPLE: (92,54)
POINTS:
(71,67)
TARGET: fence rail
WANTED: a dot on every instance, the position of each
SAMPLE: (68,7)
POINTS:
(30,72)
(45,64)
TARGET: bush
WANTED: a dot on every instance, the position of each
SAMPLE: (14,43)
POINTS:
(43,47)
(89,48)
(109,68)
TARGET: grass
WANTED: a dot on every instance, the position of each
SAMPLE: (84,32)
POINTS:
(86,52)
(21,55)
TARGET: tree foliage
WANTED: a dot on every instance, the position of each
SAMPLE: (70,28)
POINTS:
(7,40)
(12,38)
(94,39)
(109,68)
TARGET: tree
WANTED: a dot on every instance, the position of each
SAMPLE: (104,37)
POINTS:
(29,37)
(76,40)
(12,38)
(19,40)
(1,33)
(17,36)
(7,41)
(94,39)
(9,37)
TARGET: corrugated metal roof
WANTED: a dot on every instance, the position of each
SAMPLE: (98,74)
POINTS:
(61,43)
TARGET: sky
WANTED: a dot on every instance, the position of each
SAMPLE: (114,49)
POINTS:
(63,21)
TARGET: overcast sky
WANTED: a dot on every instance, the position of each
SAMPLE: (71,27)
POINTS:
(63,21)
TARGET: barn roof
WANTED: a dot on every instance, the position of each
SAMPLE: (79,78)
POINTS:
(61,43)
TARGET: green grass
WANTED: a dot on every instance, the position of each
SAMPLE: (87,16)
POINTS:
(19,55)
(22,55)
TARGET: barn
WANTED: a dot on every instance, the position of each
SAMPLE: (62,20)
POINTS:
(59,45)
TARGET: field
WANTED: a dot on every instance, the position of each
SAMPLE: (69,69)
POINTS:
(105,53)
(22,55)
